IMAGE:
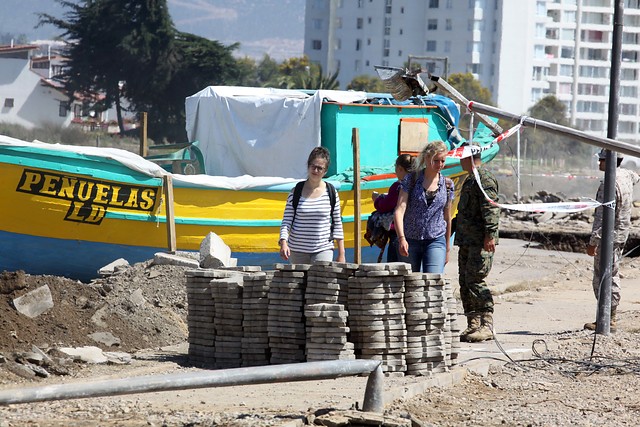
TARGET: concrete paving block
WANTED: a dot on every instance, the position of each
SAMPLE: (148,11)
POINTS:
(34,303)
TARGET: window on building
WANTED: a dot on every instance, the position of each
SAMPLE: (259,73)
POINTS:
(629,91)
(434,4)
(400,31)
(564,88)
(540,73)
(386,43)
(566,70)
(447,46)
(626,127)
(474,68)
(629,56)
(360,4)
(338,22)
(569,16)
(357,66)
(541,8)
(63,108)
(540,31)
(566,52)
(590,107)
(538,51)
(567,34)
(317,24)
(385,53)
(628,109)
(632,4)
(448,25)
(432,24)
(368,42)
(8,102)
(316,44)
(387,6)
(449,4)
(359,23)
(628,74)
(366,63)
(400,53)
(431,45)
(358,44)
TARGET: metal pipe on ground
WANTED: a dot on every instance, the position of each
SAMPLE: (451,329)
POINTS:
(373,397)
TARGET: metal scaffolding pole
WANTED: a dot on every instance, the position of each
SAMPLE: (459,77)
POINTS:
(373,397)
(603,320)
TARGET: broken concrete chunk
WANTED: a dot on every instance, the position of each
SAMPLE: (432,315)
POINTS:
(214,253)
(34,303)
(105,338)
(88,354)
(117,357)
(112,267)
(137,298)
(162,258)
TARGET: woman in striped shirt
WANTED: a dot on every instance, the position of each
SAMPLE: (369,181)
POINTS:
(308,230)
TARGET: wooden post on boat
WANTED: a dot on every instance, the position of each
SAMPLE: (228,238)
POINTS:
(357,224)
(144,144)
(170,217)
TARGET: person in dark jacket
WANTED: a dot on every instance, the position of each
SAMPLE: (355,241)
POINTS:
(477,236)
(385,203)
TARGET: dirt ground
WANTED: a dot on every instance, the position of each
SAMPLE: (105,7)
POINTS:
(144,307)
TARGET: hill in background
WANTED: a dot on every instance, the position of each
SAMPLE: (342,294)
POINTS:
(273,27)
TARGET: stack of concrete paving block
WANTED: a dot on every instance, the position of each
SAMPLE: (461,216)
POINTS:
(327,333)
(452,327)
(285,320)
(426,318)
(200,313)
(327,282)
(227,321)
(255,309)
(377,314)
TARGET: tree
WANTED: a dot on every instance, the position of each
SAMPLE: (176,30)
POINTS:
(367,83)
(548,147)
(470,87)
(137,54)
(129,54)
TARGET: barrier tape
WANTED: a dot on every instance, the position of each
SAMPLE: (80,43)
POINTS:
(563,207)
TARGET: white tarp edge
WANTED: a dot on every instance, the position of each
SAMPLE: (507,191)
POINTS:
(258,131)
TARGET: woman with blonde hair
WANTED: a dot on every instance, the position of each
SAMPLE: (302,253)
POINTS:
(423,214)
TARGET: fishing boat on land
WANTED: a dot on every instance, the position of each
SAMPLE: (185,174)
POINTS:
(69,210)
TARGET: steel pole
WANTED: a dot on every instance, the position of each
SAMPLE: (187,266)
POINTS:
(598,141)
(603,322)
(201,379)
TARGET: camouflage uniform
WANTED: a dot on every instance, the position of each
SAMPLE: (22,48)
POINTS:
(625,180)
(476,219)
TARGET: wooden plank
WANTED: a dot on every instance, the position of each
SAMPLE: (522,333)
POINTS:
(144,143)
(170,215)
(414,135)
(357,223)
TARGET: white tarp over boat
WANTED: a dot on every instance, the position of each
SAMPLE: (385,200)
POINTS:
(258,131)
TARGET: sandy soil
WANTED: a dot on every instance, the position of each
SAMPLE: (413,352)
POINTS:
(542,299)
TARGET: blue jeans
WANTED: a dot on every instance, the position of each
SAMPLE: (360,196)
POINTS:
(428,254)
(392,248)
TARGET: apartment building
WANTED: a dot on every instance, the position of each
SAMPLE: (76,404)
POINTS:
(521,50)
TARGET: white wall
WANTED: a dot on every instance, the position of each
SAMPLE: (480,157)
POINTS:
(34,104)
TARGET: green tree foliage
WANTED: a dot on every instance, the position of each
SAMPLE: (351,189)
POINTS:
(470,87)
(368,84)
(548,147)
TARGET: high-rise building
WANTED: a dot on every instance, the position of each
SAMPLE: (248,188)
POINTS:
(521,50)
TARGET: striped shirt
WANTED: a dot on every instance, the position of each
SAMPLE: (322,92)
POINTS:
(311,230)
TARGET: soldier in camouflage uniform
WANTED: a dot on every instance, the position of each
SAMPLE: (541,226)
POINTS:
(477,236)
(625,180)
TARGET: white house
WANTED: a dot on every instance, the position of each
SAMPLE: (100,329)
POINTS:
(26,97)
